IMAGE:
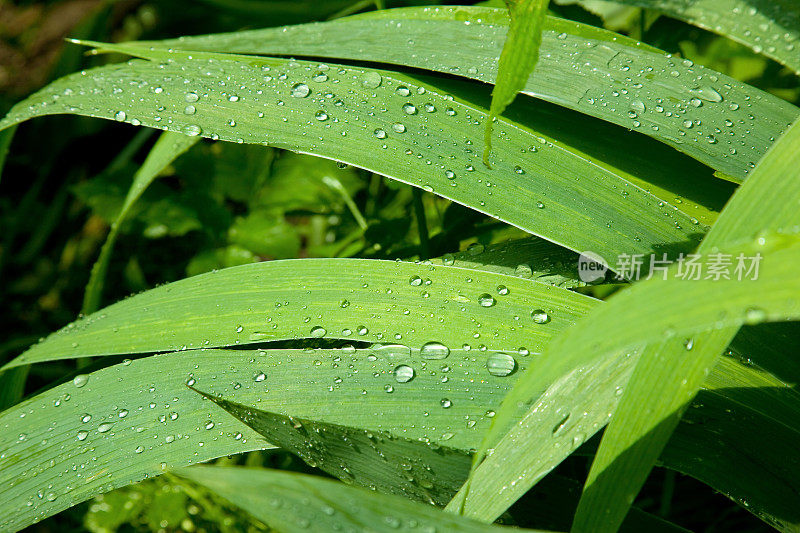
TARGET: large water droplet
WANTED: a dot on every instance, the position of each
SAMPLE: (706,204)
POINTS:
(403,373)
(300,90)
(80,380)
(318,331)
(540,316)
(486,300)
(501,364)
(371,80)
(434,350)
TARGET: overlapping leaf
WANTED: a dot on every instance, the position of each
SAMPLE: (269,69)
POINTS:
(722,122)
(769,27)
(385,122)
(360,300)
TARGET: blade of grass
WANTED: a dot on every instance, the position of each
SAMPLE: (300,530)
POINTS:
(353,299)
(422,471)
(517,60)
(594,71)
(610,216)
(303,500)
(168,148)
(768,27)
(133,420)
(664,382)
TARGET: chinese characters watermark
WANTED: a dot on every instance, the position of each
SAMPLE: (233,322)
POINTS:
(635,267)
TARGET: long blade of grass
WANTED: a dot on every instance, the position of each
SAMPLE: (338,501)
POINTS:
(168,148)
(714,118)
(291,502)
(353,299)
(428,472)
(278,102)
(132,420)
(517,60)
(695,307)
(768,27)
(664,382)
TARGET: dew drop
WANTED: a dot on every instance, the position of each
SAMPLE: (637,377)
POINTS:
(410,109)
(403,373)
(379,133)
(434,350)
(104,428)
(501,364)
(446,403)
(540,316)
(260,377)
(80,380)
(300,90)
(371,80)
(318,331)
(486,300)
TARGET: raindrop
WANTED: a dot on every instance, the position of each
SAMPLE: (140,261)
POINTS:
(486,300)
(708,94)
(82,435)
(300,90)
(415,281)
(192,130)
(540,316)
(410,109)
(318,331)
(446,403)
(103,428)
(403,90)
(120,116)
(191,97)
(80,380)
(403,373)
(501,364)
(371,80)
(434,350)
(397,127)
(260,377)
(502,290)
(321,116)
(379,133)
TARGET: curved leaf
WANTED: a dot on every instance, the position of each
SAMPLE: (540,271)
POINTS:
(722,122)
(168,147)
(290,502)
(278,102)
(769,27)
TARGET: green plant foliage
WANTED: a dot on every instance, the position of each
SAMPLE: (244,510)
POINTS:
(362,276)
(517,60)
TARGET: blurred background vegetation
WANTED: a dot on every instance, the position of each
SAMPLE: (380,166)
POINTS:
(223,204)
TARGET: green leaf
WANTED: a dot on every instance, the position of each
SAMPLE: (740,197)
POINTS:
(428,472)
(355,299)
(5,143)
(144,419)
(642,424)
(517,60)
(594,71)
(292,502)
(530,258)
(769,27)
(610,215)
(168,148)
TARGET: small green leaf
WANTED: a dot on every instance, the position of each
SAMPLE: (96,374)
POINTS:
(517,60)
